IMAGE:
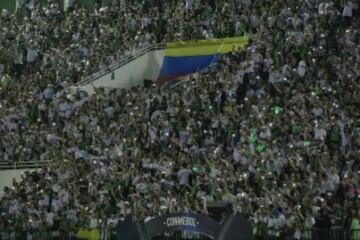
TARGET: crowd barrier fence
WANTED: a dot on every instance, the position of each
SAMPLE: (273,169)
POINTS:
(336,233)
(4,165)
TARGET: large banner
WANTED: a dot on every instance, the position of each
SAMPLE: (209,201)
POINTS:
(184,58)
(183,222)
(233,227)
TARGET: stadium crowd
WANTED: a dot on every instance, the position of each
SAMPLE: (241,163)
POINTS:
(273,129)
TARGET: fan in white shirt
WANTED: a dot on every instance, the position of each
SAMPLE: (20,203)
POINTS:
(188,4)
(239,158)
(348,9)
(49,218)
(56,204)
(301,69)
(68,4)
(184,176)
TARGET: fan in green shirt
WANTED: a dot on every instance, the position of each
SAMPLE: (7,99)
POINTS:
(295,129)
(277,110)
(5,80)
(260,148)
(253,135)
(355,227)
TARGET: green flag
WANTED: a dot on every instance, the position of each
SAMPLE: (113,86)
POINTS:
(307,143)
(277,110)
(5,80)
(195,169)
(260,148)
(253,138)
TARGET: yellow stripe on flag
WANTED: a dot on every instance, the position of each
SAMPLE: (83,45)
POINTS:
(205,47)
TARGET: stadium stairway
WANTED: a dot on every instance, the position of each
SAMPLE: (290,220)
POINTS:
(127,72)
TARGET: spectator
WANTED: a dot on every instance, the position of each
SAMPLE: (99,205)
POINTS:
(272,128)
(355,225)
(323,224)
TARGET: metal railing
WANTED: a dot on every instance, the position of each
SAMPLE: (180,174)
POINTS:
(337,233)
(35,235)
(112,67)
(119,63)
(103,234)
(22,165)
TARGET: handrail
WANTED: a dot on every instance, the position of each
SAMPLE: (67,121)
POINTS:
(108,232)
(117,64)
(22,165)
(120,63)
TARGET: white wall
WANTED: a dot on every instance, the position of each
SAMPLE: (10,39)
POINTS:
(6,177)
(132,74)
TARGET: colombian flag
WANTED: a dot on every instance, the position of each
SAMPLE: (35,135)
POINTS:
(184,58)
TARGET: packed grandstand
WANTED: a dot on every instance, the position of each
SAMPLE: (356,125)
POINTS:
(273,128)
